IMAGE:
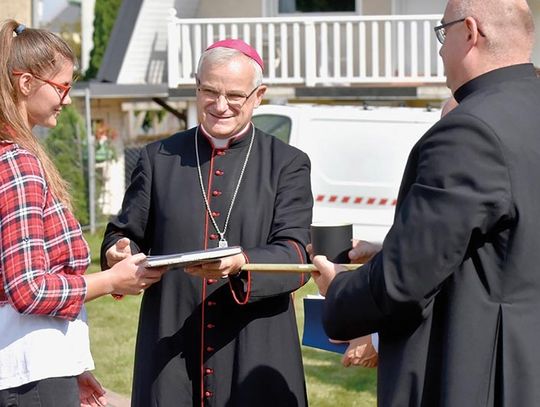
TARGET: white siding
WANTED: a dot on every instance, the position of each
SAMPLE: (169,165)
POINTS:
(419,6)
(187,8)
(228,8)
(146,56)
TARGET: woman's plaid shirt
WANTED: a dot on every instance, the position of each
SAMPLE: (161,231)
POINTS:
(42,251)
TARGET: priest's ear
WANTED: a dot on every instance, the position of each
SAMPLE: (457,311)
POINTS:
(259,95)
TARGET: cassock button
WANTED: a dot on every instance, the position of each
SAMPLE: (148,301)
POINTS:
(216,214)
(208,394)
(209,349)
(214,236)
(211,281)
(210,326)
(221,152)
(216,192)
(209,371)
(211,303)
(219,173)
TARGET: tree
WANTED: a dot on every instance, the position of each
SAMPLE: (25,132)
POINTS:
(105,13)
(65,145)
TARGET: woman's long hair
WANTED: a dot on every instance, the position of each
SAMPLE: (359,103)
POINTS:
(41,53)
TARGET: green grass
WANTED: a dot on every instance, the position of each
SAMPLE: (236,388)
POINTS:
(113,325)
(328,383)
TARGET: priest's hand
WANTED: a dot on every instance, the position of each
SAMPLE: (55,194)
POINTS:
(360,352)
(363,251)
(326,270)
(223,268)
(118,252)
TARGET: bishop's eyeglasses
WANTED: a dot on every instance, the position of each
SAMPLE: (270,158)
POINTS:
(235,100)
(62,90)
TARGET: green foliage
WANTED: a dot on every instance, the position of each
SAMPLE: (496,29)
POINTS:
(151,117)
(105,16)
(64,144)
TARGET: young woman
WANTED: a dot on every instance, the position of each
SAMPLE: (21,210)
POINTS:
(44,346)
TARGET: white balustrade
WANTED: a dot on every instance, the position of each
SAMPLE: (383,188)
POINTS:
(311,51)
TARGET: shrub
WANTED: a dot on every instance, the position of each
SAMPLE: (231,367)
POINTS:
(65,144)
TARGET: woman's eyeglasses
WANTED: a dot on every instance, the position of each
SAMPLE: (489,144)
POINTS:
(62,90)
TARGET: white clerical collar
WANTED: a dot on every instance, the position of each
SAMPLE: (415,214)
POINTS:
(221,143)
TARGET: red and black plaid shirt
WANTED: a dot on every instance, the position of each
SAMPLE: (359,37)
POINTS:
(42,251)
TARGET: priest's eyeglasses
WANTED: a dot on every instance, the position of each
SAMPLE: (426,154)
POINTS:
(235,100)
(440,30)
(62,90)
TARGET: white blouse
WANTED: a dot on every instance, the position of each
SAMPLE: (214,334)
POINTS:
(35,347)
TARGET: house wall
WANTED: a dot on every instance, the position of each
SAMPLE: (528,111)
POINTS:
(186,8)
(387,7)
(418,6)
(112,171)
(146,56)
(376,7)
(230,8)
(20,10)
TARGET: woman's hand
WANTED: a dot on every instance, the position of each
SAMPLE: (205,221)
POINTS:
(91,393)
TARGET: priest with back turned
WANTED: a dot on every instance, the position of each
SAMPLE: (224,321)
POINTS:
(214,334)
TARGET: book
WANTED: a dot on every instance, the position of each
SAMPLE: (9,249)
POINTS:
(314,335)
(191,258)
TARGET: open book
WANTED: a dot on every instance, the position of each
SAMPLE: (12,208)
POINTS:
(191,258)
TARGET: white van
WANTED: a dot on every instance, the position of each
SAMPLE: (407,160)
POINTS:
(357,154)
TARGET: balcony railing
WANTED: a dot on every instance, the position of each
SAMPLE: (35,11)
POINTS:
(311,51)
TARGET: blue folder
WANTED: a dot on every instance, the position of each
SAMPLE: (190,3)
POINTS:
(314,335)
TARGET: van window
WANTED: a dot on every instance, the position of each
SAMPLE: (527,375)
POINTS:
(277,125)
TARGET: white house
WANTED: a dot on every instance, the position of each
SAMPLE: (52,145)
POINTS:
(352,51)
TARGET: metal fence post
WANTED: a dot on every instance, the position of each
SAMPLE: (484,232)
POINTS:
(91,162)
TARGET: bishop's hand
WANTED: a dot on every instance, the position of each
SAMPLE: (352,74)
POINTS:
(223,268)
(118,252)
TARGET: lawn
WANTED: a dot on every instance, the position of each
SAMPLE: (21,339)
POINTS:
(113,325)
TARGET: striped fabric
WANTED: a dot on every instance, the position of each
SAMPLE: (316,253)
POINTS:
(42,251)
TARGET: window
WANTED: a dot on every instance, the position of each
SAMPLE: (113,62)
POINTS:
(276,125)
(316,6)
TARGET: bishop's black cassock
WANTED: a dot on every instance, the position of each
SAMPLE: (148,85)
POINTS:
(231,342)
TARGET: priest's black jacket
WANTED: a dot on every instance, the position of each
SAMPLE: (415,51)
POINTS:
(228,342)
(455,291)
